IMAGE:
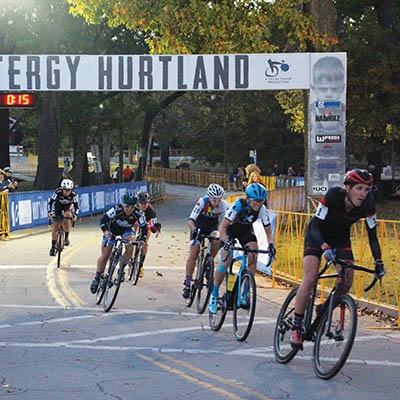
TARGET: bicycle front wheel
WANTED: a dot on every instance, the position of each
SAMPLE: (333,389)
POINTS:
(134,267)
(205,284)
(217,320)
(101,289)
(244,306)
(59,247)
(283,350)
(193,287)
(332,348)
(113,282)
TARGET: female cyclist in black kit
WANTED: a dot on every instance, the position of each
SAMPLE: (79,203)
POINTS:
(328,234)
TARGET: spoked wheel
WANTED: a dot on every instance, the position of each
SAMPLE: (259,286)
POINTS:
(134,266)
(193,287)
(217,319)
(59,247)
(282,349)
(331,349)
(205,284)
(101,289)
(114,280)
(245,307)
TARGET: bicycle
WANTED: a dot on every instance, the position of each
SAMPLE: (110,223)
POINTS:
(240,295)
(61,236)
(111,281)
(332,329)
(204,274)
(135,265)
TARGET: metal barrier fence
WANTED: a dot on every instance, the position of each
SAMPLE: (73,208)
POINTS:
(289,235)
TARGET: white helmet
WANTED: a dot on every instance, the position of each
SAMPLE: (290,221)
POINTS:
(67,184)
(215,191)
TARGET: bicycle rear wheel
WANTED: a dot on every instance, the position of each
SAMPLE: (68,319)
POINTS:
(134,266)
(331,349)
(205,284)
(114,279)
(243,313)
(217,320)
(283,351)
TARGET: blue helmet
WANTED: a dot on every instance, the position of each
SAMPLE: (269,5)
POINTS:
(129,199)
(255,191)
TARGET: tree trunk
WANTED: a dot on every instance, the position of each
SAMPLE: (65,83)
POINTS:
(48,173)
(164,155)
(146,132)
(80,171)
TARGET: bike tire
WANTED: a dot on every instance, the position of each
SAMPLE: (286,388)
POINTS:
(134,267)
(205,284)
(193,288)
(113,283)
(217,320)
(331,352)
(283,351)
(243,314)
(59,246)
(101,289)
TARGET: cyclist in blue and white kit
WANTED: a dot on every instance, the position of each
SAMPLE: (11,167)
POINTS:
(238,224)
(204,216)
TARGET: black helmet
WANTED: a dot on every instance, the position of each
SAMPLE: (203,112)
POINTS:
(129,199)
(143,197)
(358,176)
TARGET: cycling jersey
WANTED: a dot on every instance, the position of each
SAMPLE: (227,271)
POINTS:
(118,223)
(59,202)
(241,217)
(205,216)
(151,218)
(331,224)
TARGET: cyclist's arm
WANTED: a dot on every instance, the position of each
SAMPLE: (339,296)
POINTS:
(50,203)
(75,203)
(198,207)
(316,231)
(372,237)
(223,229)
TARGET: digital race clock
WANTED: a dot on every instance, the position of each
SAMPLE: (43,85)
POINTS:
(19,100)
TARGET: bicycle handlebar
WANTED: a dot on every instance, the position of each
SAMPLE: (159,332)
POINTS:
(351,265)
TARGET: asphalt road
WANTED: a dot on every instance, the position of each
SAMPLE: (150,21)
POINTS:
(55,343)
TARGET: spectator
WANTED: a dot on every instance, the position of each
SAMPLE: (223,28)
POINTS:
(232,181)
(301,170)
(239,178)
(67,164)
(290,172)
(65,175)
(7,184)
(276,170)
(127,174)
(114,176)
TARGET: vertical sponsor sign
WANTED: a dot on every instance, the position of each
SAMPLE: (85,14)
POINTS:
(327,116)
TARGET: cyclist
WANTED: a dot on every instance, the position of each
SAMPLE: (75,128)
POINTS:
(238,224)
(63,200)
(328,234)
(204,219)
(119,221)
(151,218)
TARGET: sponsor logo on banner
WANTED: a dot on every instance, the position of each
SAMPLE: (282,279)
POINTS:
(274,67)
(334,177)
(327,165)
(327,104)
(328,138)
(327,149)
(320,189)
(327,158)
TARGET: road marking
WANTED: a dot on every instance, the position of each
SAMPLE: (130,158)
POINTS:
(63,294)
(227,382)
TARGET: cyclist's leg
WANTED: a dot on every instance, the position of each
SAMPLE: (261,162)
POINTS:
(145,248)
(67,225)
(190,265)
(346,254)
(106,248)
(311,267)
(215,244)
(131,236)
(54,231)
